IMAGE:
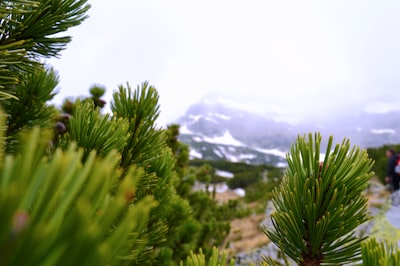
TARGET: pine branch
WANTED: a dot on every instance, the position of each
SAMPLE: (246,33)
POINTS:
(30,30)
(30,109)
(375,253)
(63,212)
(200,260)
(147,147)
(140,107)
(320,204)
(94,131)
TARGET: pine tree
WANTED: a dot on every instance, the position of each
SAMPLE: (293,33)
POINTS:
(147,147)
(211,220)
(30,108)
(32,30)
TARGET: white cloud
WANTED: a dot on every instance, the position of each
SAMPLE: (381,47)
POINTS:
(298,58)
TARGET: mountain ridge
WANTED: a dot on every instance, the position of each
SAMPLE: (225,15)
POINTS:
(215,131)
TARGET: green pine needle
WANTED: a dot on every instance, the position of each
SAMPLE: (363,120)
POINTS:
(319,204)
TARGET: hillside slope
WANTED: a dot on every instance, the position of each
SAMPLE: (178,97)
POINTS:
(217,132)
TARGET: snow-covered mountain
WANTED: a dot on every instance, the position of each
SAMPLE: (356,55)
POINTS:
(218,132)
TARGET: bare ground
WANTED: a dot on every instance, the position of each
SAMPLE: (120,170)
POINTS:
(246,233)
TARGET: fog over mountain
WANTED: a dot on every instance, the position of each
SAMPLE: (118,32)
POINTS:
(313,58)
(221,131)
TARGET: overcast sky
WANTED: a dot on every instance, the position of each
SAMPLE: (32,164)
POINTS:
(295,58)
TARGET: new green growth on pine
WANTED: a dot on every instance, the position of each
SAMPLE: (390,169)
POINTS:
(320,203)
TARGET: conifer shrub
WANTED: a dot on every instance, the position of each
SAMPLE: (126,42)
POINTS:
(260,191)
(215,259)
(379,253)
(58,211)
(320,203)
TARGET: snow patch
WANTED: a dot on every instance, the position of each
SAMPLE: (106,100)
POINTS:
(195,117)
(184,130)
(224,117)
(195,154)
(281,165)
(219,188)
(218,153)
(240,192)
(225,139)
(232,158)
(273,152)
(211,120)
(225,174)
(227,155)
(197,138)
(247,156)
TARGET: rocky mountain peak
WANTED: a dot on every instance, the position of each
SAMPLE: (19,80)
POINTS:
(215,131)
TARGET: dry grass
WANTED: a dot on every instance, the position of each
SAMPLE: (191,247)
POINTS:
(245,234)
(224,197)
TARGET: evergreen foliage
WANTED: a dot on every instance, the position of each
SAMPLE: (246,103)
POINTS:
(147,147)
(140,107)
(375,253)
(214,260)
(63,212)
(210,220)
(244,174)
(31,30)
(233,167)
(97,92)
(93,131)
(179,150)
(214,223)
(319,203)
(30,108)
(131,130)
(26,30)
(261,191)
(243,180)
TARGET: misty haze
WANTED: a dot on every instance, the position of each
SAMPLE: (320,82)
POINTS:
(221,130)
